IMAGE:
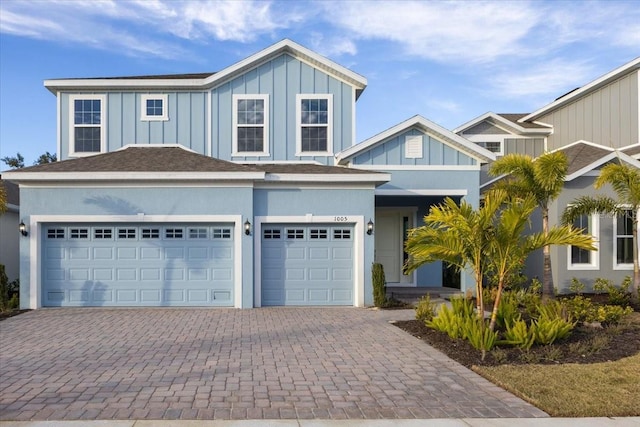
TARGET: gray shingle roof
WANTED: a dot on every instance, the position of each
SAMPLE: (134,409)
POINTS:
(514,117)
(185,76)
(308,168)
(581,155)
(143,159)
(632,151)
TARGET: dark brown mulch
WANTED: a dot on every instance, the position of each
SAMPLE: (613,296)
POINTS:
(11,313)
(624,341)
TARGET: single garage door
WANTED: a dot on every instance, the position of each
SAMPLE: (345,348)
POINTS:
(137,265)
(307,264)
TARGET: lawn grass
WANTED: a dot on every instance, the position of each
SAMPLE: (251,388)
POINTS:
(609,389)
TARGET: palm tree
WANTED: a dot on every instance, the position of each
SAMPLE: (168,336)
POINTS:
(458,235)
(542,178)
(509,246)
(488,239)
(625,181)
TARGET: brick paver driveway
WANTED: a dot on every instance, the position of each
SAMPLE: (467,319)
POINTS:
(270,363)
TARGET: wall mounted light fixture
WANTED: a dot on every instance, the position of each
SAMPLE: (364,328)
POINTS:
(247,227)
(370,227)
(23,228)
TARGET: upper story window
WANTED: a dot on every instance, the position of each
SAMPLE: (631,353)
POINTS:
(623,241)
(87,124)
(314,125)
(154,107)
(582,259)
(250,125)
(493,146)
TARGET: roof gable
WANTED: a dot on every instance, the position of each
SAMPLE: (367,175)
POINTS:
(209,80)
(584,90)
(509,122)
(429,128)
(584,157)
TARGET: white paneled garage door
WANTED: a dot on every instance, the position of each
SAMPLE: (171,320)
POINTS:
(137,265)
(307,264)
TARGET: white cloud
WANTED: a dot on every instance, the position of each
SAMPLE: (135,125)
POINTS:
(441,31)
(332,46)
(135,27)
(548,79)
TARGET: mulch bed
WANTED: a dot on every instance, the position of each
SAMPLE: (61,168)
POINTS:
(11,313)
(623,341)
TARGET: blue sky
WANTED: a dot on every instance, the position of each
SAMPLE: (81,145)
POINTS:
(448,61)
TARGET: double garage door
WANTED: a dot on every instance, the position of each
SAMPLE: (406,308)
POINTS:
(137,265)
(307,264)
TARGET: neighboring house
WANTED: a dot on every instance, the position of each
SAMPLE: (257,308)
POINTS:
(9,241)
(594,125)
(240,188)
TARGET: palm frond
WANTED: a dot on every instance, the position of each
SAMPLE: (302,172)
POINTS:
(625,181)
(588,205)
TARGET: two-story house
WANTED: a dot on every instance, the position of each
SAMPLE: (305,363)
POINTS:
(240,188)
(595,124)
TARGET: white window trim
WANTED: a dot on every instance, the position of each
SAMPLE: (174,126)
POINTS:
(72,125)
(143,107)
(265,126)
(299,98)
(595,255)
(482,138)
(617,266)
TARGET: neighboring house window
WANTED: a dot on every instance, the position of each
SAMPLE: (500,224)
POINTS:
(314,119)
(154,107)
(582,259)
(251,125)
(493,146)
(623,241)
(87,124)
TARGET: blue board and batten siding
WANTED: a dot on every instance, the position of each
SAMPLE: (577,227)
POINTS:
(281,78)
(186,124)
(434,153)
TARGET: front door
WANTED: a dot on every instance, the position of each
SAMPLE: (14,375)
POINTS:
(391,229)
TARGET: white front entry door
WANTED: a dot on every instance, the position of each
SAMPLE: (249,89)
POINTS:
(390,229)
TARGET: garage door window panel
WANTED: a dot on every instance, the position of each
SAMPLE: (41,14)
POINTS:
(150,233)
(173,233)
(55,233)
(79,233)
(126,233)
(222,233)
(272,234)
(198,233)
(103,233)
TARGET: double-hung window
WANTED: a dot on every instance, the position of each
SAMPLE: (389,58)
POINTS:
(623,241)
(87,124)
(582,259)
(153,107)
(314,125)
(250,125)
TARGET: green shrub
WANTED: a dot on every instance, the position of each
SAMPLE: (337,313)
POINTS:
(584,310)
(553,310)
(617,295)
(425,308)
(611,314)
(576,286)
(520,335)
(8,291)
(547,330)
(489,295)
(379,285)
(477,332)
(462,306)
(447,321)
(508,311)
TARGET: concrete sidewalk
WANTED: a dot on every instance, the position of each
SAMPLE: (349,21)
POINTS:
(465,422)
